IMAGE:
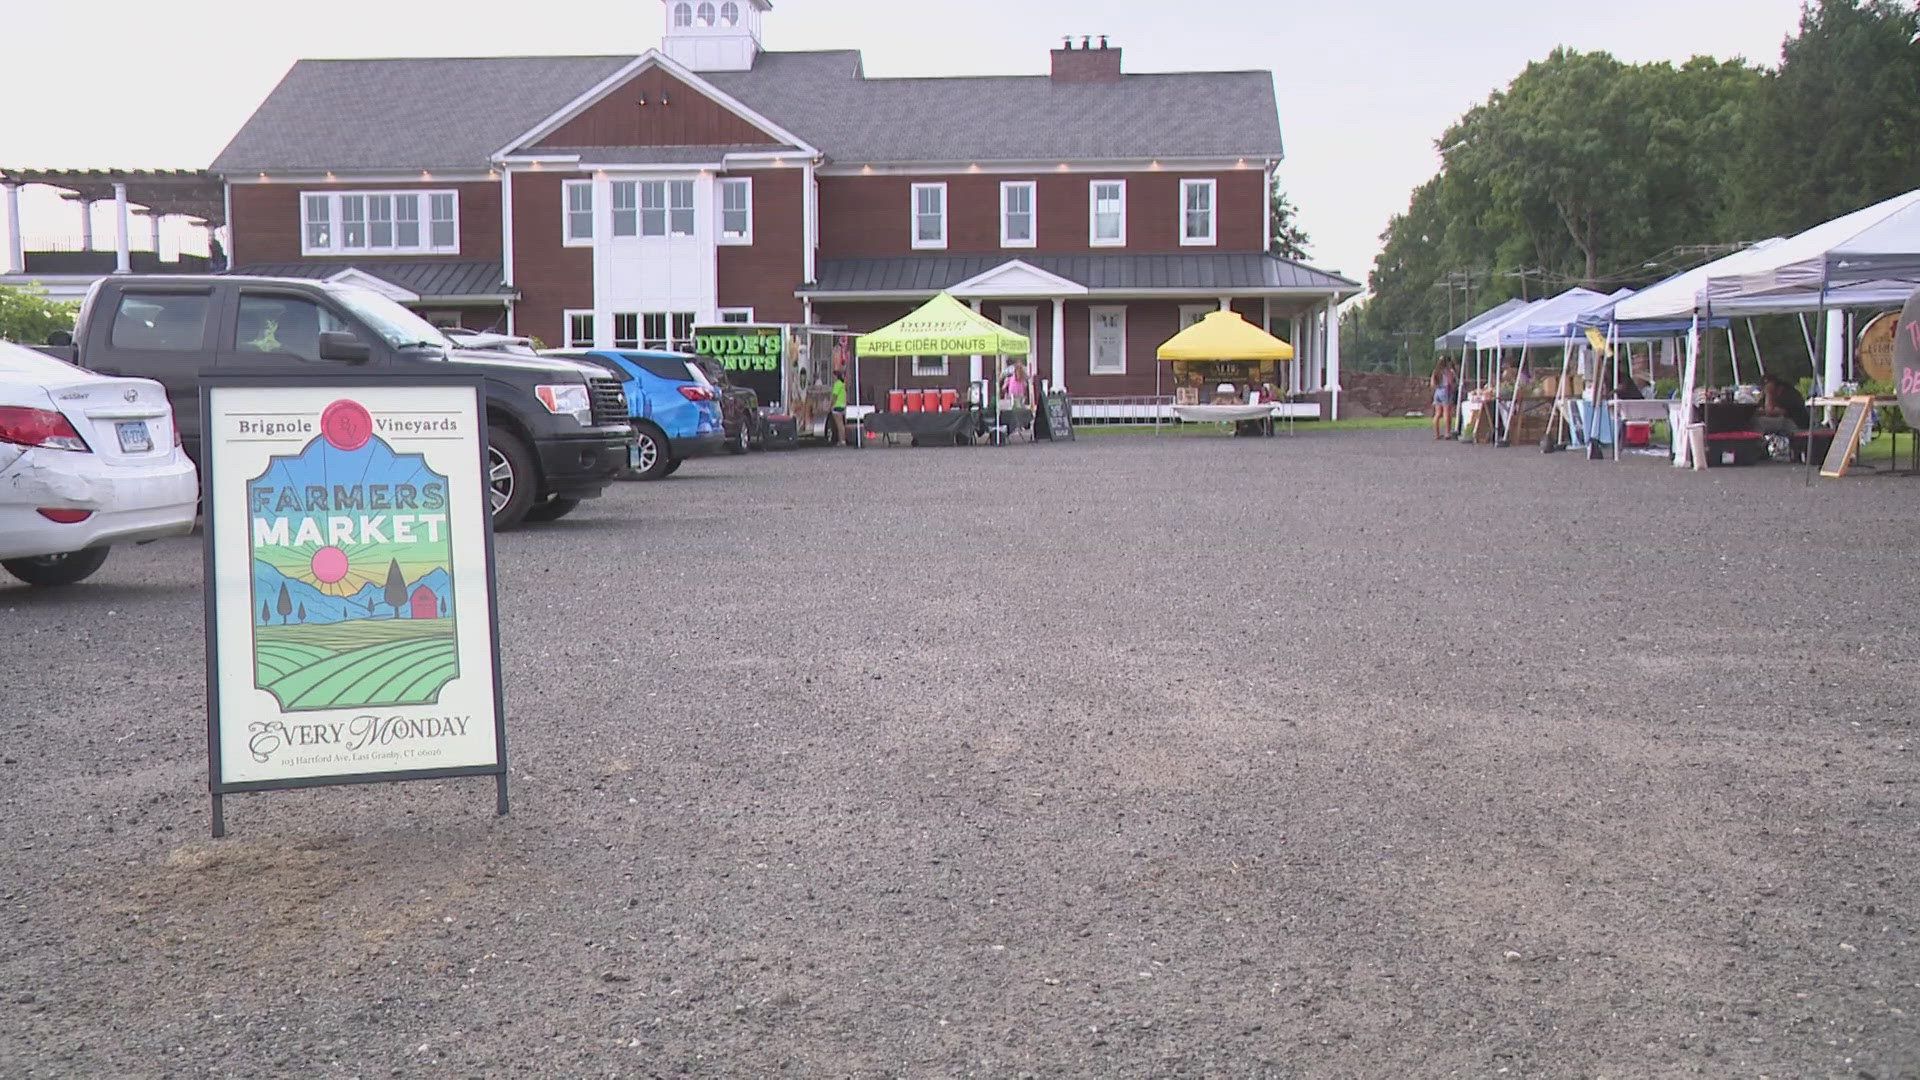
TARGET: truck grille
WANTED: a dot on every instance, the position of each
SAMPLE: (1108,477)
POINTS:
(609,401)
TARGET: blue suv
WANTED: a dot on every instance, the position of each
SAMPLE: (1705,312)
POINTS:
(675,410)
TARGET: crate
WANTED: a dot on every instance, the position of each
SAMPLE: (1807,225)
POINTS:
(1735,448)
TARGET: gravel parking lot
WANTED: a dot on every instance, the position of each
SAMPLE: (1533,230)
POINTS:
(1341,754)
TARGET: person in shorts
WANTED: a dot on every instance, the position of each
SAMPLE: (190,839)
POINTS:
(1446,394)
(837,420)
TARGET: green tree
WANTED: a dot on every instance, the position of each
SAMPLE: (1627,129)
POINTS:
(1834,127)
(396,590)
(27,316)
(1287,240)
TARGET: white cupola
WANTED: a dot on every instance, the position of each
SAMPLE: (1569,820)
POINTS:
(713,35)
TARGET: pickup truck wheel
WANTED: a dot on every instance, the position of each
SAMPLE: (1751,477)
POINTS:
(553,509)
(650,459)
(510,478)
(50,570)
(738,444)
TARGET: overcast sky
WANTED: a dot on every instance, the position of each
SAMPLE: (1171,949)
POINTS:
(1364,87)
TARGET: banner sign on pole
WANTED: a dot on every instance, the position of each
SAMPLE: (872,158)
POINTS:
(351,630)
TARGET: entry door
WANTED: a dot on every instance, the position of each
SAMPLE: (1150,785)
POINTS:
(1021,320)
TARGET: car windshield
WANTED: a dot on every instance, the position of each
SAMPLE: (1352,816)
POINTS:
(20,360)
(396,324)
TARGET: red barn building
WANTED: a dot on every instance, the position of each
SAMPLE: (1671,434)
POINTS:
(616,201)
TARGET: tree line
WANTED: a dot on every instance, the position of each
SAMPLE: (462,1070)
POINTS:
(1589,171)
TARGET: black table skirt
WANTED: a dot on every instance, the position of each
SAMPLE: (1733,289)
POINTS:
(955,423)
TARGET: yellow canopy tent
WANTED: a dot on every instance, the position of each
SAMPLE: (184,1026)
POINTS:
(1224,335)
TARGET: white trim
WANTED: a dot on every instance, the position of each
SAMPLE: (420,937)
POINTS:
(1093,214)
(567,239)
(422,199)
(1038,283)
(1213,212)
(809,219)
(720,236)
(913,215)
(359,278)
(506,227)
(650,58)
(566,328)
(1267,180)
(1033,213)
(1093,335)
(745,313)
(1040,165)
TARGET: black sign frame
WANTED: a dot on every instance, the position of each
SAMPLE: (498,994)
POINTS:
(218,788)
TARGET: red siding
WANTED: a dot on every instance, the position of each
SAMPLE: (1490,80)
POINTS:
(764,274)
(871,215)
(675,114)
(551,277)
(266,219)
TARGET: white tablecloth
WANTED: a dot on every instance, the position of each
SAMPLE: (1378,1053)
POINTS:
(1223,413)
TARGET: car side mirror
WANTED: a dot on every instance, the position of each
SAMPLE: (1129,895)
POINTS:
(60,339)
(343,346)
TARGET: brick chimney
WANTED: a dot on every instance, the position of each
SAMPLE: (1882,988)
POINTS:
(1089,63)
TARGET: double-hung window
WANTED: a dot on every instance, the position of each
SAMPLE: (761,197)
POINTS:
(624,195)
(579,207)
(379,223)
(1196,212)
(1107,213)
(653,330)
(736,210)
(682,325)
(579,329)
(1016,213)
(679,208)
(666,207)
(929,215)
(626,329)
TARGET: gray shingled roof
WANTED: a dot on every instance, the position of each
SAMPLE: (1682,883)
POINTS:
(406,114)
(429,277)
(932,273)
(661,155)
(821,98)
(453,113)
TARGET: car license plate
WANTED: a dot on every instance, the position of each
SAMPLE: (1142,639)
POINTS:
(133,436)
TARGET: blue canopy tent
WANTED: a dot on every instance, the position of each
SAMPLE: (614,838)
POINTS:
(1456,338)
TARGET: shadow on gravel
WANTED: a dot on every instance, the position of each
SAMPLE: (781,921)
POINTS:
(89,594)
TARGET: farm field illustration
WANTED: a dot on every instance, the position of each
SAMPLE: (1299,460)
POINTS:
(352,596)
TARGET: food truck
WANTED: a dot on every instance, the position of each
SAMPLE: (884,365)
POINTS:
(789,367)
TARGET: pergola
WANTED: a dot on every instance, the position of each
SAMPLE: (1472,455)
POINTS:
(189,193)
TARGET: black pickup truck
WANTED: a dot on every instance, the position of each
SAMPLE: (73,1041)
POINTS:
(557,431)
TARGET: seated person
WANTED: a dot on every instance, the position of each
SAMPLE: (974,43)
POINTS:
(1225,394)
(1783,410)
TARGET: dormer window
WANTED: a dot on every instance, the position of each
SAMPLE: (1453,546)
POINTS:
(705,14)
(730,14)
(683,14)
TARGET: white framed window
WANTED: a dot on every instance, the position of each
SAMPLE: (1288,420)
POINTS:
(1016,213)
(1107,213)
(1107,341)
(683,14)
(1193,313)
(930,215)
(1196,213)
(379,222)
(666,207)
(579,326)
(729,14)
(1021,320)
(736,210)
(704,14)
(624,196)
(653,330)
(626,329)
(679,208)
(577,204)
(930,366)
(736,314)
(681,324)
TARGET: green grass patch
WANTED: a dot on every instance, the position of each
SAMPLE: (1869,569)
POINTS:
(1213,430)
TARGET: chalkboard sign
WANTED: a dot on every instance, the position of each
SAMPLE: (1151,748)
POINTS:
(1058,416)
(1846,437)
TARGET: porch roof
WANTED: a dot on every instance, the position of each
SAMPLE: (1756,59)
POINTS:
(1246,273)
(193,193)
(430,279)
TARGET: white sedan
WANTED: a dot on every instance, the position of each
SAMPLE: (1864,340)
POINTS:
(86,461)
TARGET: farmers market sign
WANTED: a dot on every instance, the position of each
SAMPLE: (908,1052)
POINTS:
(351,631)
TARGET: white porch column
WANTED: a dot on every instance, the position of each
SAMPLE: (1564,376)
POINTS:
(1333,353)
(16,262)
(1836,371)
(973,362)
(1060,343)
(1299,354)
(86,224)
(153,227)
(1226,303)
(122,258)
(506,239)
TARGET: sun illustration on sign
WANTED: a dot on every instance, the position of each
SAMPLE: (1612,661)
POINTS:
(353,580)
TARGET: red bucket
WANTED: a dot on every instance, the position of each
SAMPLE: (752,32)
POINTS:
(913,401)
(948,397)
(896,400)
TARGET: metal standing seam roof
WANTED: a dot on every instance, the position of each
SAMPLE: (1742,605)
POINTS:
(1198,273)
(441,113)
(429,278)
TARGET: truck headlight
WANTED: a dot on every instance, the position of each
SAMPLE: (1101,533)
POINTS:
(567,400)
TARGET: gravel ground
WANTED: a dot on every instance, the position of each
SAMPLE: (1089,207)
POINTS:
(1341,754)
